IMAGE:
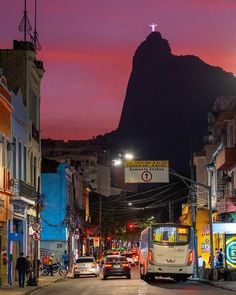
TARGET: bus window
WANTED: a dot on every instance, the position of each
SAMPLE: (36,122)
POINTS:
(171,235)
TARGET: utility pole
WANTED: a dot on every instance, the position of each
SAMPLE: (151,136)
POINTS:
(194,219)
(100,224)
(36,244)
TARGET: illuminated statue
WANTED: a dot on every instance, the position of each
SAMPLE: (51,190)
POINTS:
(153,26)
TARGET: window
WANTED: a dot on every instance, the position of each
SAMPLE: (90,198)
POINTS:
(25,163)
(14,158)
(34,171)
(19,160)
(84,260)
(171,235)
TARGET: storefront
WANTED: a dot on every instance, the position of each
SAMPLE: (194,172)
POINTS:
(224,236)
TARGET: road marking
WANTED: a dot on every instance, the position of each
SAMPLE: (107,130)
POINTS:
(143,289)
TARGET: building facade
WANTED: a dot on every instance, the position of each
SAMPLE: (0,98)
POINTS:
(24,73)
(24,194)
(5,176)
(65,214)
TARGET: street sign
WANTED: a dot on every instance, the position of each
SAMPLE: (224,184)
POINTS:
(146,171)
(36,236)
(36,226)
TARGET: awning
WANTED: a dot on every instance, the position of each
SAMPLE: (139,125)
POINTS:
(220,228)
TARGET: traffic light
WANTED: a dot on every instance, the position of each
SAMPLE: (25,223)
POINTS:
(130,226)
(109,238)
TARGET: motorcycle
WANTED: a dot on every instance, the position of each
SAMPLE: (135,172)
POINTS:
(45,269)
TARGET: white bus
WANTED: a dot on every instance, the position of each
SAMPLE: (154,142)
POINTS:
(166,250)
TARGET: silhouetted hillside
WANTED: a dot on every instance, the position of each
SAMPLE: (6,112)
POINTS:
(167,101)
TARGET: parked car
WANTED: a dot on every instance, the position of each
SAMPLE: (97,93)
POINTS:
(86,266)
(116,265)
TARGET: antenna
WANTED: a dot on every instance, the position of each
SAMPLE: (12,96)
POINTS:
(25,25)
(34,37)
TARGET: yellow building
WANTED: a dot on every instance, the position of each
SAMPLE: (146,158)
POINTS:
(5,192)
(203,238)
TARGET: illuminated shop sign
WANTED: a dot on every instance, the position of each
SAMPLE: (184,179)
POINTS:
(230,251)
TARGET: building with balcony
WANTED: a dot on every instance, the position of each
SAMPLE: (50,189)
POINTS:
(23,71)
(216,168)
(5,176)
(24,194)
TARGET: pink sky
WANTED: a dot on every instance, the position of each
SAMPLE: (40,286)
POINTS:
(88,45)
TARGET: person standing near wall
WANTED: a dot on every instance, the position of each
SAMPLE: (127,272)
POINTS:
(65,259)
(21,267)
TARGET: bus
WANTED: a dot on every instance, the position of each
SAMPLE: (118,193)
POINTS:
(166,250)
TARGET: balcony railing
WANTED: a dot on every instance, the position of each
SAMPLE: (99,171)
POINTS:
(226,158)
(23,189)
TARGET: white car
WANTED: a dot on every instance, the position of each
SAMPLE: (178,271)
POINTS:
(86,266)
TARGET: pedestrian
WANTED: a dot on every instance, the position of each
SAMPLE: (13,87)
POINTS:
(50,264)
(21,267)
(219,258)
(65,259)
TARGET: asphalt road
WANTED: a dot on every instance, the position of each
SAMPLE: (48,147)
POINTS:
(123,286)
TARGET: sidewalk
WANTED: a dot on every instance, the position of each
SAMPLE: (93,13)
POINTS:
(227,285)
(44,281)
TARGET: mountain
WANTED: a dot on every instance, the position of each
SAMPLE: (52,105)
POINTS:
(167,101)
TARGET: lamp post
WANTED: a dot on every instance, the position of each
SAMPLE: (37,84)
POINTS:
(208,188)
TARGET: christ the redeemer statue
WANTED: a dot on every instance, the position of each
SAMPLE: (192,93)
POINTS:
(153,26)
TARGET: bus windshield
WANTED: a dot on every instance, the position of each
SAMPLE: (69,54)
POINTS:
(168,234)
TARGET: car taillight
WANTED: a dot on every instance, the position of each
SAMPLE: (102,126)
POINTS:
(108,265)
(125,264)
(93,265)
(150,256)
(190,257)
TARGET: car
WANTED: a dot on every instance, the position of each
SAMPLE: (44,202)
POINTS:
(86,266)
(116,265)
(136,256)
(130,258)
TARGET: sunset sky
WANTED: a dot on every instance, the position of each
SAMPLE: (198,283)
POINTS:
(88,45)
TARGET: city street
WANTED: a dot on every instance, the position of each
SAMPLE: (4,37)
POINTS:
(135,286)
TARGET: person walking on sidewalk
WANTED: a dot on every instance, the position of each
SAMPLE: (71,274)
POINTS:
(21,267)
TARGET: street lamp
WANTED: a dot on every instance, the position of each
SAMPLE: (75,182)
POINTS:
(121,157)
(128,156)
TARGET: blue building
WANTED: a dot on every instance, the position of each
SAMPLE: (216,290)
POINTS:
(54,234)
